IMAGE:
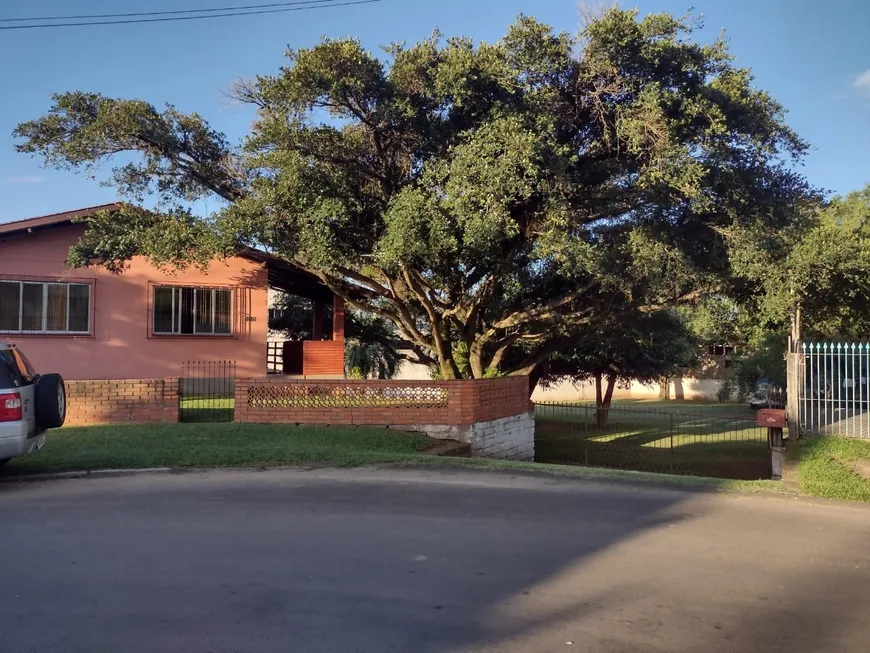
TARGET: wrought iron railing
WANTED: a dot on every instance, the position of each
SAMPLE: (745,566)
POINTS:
(727,444)
(207,391)
(833,389)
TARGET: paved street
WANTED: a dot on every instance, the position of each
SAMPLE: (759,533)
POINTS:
(423,561)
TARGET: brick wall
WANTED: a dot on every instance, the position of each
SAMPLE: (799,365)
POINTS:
(379,403)
(493,415)
(323,358)
(122,401)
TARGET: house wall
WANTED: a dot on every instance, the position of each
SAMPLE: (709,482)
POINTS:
(690,388)
(120,345)
(687,388)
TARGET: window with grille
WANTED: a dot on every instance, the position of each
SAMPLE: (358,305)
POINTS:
(192,311)
(45,307)
(720,350)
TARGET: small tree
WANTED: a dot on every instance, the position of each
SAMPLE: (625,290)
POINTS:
(370,360)
(645,349)
(765,362)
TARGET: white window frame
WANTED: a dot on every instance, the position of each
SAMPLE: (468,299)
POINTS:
(176,311)
(44,330)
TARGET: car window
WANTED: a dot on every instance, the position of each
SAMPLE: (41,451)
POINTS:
(9,375)
(25,369)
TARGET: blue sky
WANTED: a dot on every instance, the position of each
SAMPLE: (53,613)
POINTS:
(814,57)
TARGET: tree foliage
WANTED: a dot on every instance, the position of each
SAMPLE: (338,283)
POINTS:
(489,201)
(366,359)
(646,349)
(821,265)
(766,362)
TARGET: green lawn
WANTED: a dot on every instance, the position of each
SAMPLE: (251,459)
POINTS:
(215,445)
(253,445)
(219,409)
(825,467)
(690,438)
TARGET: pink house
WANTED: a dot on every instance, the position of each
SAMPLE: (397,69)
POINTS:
(88,323)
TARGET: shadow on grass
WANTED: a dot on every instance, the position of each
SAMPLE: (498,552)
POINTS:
(742,455)
(630,420)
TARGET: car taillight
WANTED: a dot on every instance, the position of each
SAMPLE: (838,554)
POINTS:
(10,407)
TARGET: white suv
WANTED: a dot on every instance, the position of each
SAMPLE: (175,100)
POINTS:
(30,403)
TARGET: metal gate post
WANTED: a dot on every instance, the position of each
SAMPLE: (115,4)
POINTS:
(775,444)
(793,392)
(586,436)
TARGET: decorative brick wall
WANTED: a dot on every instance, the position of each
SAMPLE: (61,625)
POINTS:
(142,401)
(477,411)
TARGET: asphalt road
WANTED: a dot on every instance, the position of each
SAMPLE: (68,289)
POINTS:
(423,561)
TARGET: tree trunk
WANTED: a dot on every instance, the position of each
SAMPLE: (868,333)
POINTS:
(534,376)
(448,368)
(475,361)
(665,388)
(602,402)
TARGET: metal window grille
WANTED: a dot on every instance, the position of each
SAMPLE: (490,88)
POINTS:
(179,310)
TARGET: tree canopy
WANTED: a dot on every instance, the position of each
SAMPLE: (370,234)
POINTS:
(820,265)
(646,348)
(491,201)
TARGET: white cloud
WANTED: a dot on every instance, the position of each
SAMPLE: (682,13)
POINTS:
(24,180)
(862,81)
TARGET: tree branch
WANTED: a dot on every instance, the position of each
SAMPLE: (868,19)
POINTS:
(528,365)
(522,317)
(686,298)
(502,347)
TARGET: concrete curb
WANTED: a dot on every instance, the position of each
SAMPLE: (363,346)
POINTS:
(93,473)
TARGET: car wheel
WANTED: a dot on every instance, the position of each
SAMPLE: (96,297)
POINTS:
(50,401)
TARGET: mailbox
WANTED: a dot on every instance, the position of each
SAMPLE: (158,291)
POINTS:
(771,418)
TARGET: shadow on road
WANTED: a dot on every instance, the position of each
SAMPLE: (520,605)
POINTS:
(431,562)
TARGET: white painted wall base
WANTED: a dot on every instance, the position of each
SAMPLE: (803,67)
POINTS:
(438,431)
(509,438)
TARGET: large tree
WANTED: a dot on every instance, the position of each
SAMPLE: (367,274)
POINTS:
(487,200)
